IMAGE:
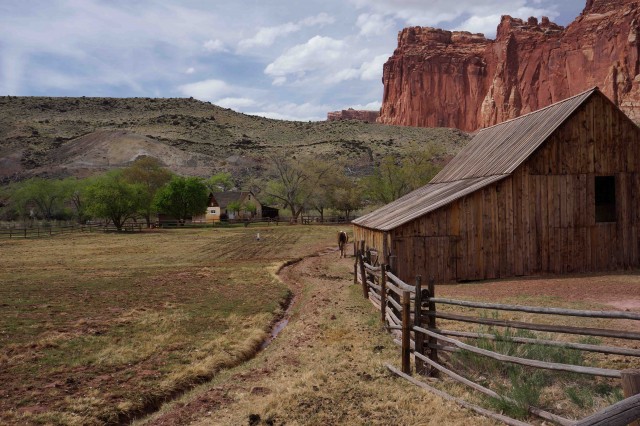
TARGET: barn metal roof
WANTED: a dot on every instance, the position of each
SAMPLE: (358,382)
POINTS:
(493,154)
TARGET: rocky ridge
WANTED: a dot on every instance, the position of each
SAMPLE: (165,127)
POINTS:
(353,114)
(439,78)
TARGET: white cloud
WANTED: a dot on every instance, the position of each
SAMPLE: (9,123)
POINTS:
(236,103)
(479,14)
(371,70)
(372,24)
(279,81)
(190,70)
(487,24)
(371,106)
(292,111)
(315,54)
(266,36)
(214,46)
(206,90)
(319,19)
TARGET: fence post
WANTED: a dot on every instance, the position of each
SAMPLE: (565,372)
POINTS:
(25,232)
(417,321)
(385,248)
(383,293)
(355,269)
(406,332)
(631,386)
(432,341)
(363,277)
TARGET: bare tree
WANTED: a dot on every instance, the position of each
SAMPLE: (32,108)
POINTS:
(295,181)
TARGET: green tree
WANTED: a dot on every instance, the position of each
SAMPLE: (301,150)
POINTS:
(151,176)
(348,198)
(250,207)
(182,197)
(393,178)
(220,182)
(112,197)
(39,197)
(234,207)
(74,190)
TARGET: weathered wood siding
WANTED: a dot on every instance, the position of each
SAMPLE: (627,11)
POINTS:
(541,218)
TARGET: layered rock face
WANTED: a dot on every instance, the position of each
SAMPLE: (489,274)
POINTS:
(438,78)
(353,114)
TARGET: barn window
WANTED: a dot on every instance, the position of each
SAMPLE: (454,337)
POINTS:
(605,187)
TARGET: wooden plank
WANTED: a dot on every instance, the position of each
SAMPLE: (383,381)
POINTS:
(518,224)
(544,224)
(508,191)
(536,235)
(618,414)
(612,350)
(526,231)
(539,309)
(478,234)
(542,327)
(487,241)
(593,371)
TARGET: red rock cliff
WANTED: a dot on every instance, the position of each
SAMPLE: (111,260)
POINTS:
(463,80)
(353,114)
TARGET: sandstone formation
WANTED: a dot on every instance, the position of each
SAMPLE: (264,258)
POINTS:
(353,114)
(438,78)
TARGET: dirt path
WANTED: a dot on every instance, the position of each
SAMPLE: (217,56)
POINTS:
(326,367)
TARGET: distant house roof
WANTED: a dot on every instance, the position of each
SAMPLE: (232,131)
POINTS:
(493,154)
(224,198)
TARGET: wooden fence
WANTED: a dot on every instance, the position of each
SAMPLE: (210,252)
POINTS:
(50,231)
(409,311)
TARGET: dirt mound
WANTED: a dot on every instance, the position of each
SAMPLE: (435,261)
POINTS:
(106,149)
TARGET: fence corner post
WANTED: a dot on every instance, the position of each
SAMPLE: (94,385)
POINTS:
(406,332)
(631,386)
(363,276)
(383,293)
(432,341)
(417,321)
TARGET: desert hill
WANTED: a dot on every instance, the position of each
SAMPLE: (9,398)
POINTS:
(58,136)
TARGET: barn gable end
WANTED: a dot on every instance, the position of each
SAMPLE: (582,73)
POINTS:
(522,200)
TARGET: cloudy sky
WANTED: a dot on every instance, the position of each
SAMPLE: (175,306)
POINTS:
(289,59)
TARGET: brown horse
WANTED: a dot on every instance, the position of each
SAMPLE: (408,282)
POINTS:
(343,238)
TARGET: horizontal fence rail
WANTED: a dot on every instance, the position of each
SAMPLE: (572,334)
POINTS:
(49,231)
(410,313)
(540,310)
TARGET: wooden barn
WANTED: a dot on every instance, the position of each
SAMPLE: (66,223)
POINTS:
(551,192)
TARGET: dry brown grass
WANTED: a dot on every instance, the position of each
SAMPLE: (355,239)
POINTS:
(96,328)
(325,368)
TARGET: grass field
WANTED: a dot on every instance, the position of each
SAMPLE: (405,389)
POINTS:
(97,328)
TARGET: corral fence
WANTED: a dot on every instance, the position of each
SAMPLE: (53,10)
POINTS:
(410,312)
(40,231)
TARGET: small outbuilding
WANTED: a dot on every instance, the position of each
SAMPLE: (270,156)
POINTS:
(554,191)
(248,206)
